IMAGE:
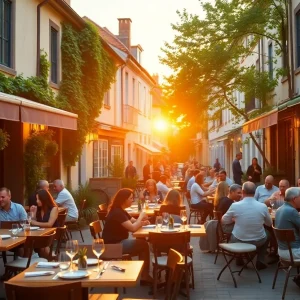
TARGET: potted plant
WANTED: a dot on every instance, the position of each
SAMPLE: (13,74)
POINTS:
(82,259)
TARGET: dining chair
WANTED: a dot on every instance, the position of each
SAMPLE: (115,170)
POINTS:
(61,219)
(32,243)
(64,291)
(286,236)
(103,296)
(102,212)
(194,213)
(58,238)
(171,209)
(74,225)
(161,243)
(222,237)
(96,229)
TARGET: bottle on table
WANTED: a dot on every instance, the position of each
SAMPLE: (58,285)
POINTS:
(171,222)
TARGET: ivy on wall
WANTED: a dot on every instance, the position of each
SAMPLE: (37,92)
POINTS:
(4,139)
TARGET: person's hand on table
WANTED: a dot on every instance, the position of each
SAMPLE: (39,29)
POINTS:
(146,222)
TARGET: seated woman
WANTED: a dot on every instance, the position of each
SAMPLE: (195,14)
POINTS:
(46,215)
(221,201)
(151,192)
(198,200)
(119,223)
(172,204)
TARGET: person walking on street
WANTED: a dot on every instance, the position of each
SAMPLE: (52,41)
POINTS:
(237,169)
(254,171)
(130,171)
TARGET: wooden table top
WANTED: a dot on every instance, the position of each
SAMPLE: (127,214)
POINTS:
(133,210)
(195,232)
(11,243)
(110,278)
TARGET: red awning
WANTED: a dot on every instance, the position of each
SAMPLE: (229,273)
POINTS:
(261,122)
(9,111)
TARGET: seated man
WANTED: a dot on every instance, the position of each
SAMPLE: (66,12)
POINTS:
(235,195)
(162,185)
(10,211)
(287,217)
(264,191)
(278,197)
(222,177)
(192,180)
(66,200)
(42,185)
(250,216)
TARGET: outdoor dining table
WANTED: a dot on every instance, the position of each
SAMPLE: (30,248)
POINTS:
(10,243)
(133,210)
(60,209)
(196,231)
(110,278)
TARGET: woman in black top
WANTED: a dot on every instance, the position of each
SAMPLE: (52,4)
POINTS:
(119,223)
(254,171)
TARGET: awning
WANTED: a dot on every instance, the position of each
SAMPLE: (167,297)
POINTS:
(160,146)
(20,109)
(289,103)
(149,149)
(261,122)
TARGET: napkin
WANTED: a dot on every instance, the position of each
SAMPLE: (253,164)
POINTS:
(195,226)
(148,226)
(45,264)
(39,273)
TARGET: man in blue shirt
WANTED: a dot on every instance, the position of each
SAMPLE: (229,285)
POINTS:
(265,191)
(237,169)
(10,211)
(287,217)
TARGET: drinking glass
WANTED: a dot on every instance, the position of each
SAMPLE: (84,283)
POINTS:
(158,222)
(183,217)
(64,261)
(166,217)
(15,230)
(29,217)
(157,199)
(22,223)
(71,250)
(272,203)
(98,248)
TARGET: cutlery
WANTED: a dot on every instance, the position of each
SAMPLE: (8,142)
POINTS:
(103,270)
(56,276)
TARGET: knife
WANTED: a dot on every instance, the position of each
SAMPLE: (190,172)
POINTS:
(103,270)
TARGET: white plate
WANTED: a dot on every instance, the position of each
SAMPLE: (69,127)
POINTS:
(128,209)
(5,236)
(134,206)
(90,261)
(170,230)
(73,275)
(34,228)
(148,226)
(195,226)
(177,224)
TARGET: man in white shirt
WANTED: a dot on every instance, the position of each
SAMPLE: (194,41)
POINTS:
(222,177)
(162,186)
(265,191)
(65,199)
(250,216)
(192,180)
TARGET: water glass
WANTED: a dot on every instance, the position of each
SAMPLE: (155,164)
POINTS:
(158,222)
(29,217)
(64,261)
(166,218)
(22,223)
(15,230)
(183,217)
(26,228)
(98,248)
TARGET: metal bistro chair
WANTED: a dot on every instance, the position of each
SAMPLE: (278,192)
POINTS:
(194,213)
(75,224)
(102,212)
(286,236)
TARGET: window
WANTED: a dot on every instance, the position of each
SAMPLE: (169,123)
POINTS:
(133,92)
(100,161)
(106,99)
(145,101)
(116,152)
(5,33)
(140,105)
(54,54)
(270,63)
(298,39)
(126,88)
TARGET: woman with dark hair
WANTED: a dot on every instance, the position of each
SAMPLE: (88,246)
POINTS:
(47,213)
(198,200)
(172,204)
(254,171)
(119,223)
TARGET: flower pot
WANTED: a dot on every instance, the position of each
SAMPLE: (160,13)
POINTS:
(82,263)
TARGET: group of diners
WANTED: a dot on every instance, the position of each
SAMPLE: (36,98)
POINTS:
(119,223)
(42,206)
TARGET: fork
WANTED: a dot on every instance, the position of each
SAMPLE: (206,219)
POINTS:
(102,271)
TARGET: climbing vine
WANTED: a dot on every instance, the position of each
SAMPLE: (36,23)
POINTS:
(4,139)
(39,148)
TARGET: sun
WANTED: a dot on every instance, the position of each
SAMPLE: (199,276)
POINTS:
(160,125)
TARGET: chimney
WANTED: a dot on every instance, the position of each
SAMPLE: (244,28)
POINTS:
(124,32)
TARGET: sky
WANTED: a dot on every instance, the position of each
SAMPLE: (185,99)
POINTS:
(150,27)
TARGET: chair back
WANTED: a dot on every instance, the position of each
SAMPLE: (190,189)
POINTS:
(61,219)
(65,291)
(112,252)
(59,235)
(102,216)
(221,235)
(174,274)
(95,229)
(162,242)
(103,207)
(8,224)
(37,242)
(286,236)
(171,209)
(82,207)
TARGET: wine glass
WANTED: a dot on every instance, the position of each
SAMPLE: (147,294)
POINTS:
(146,202)
(64,261)
(272,203)
(98,248)
(22,223)
(29,217)
(158,222)
(71,250)
(183,217)
(157,199)
(15,230)
(166,217)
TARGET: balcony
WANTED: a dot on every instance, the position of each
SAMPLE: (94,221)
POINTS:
(130,117)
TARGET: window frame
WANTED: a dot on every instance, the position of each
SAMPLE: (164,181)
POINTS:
(297,37)
(102,160)
(53,26)
(270,60)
